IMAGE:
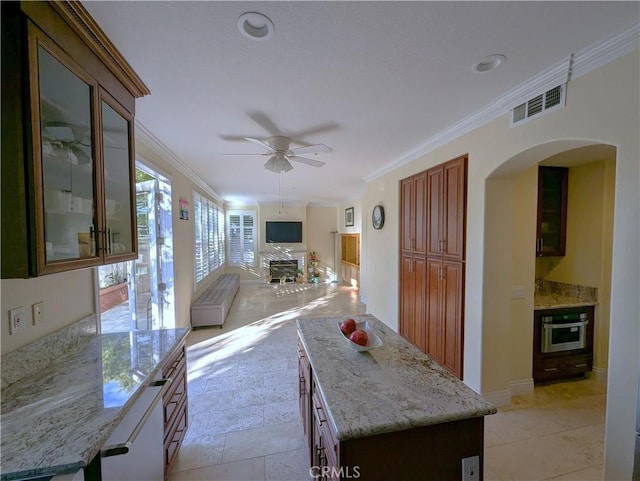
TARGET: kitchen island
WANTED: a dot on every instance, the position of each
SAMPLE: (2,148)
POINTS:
(389,413)
(57,419)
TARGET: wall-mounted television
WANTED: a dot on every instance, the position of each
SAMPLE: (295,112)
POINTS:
(283,232)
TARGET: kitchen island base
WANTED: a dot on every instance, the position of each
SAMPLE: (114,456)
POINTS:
(390,413)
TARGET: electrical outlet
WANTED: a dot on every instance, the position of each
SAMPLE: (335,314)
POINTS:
(16,319)
(471,468)
(37,312)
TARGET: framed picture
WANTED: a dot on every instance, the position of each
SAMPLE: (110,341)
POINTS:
(184,209)
(348,217)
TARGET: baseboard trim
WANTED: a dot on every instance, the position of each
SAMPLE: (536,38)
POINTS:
(498,398)
(599,373)
(521,387)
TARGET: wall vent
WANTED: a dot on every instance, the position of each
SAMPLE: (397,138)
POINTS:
(550,100)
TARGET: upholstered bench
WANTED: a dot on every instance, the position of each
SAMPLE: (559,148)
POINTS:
(212,306)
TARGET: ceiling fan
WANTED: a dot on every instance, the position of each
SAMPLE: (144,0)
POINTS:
(277,147)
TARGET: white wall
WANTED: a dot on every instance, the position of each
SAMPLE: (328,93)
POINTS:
(601,108)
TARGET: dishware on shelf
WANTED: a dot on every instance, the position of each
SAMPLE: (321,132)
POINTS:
(113,207)
(373,340)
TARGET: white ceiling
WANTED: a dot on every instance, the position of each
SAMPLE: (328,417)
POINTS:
(372,80)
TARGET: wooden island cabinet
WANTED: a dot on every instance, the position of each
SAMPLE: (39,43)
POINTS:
(389,413)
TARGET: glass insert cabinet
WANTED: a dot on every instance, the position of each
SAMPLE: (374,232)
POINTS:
(67,142)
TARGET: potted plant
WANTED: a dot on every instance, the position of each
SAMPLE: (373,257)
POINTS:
(299,276)
(283,279)
(113,290)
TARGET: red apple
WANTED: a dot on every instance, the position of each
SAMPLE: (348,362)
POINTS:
(347,327)
(359,337)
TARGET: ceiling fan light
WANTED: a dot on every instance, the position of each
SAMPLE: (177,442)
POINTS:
(278,164)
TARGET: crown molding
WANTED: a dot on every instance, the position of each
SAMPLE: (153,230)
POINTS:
(572,67)
(146,137)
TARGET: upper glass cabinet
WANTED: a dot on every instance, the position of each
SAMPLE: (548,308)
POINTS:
(118,171)
(68,103)
(67,161)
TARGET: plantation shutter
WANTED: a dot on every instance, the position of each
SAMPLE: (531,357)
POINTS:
(242,237)
(199,253)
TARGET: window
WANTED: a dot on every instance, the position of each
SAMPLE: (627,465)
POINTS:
(242,237)
(209,236)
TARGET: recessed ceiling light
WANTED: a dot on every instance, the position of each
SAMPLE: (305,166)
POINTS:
(488,63)
(255,26)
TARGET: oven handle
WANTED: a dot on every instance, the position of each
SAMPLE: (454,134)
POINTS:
(564,326)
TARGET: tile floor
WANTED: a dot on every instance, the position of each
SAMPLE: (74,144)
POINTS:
(243,408)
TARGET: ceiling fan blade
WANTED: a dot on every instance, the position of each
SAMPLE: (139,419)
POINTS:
(265,122)
(248,153)
(259,142)
(310,149)
(304,160)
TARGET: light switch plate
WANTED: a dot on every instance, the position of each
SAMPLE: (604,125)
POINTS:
(37,312)
(16,319)
(517,292)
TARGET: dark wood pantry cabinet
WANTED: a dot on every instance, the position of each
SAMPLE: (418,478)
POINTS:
(68,103)
(432,240)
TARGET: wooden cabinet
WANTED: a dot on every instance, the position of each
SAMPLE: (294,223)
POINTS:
(304,389)
(446,208)
(68,196)
(551,231)
(433,210)
(175,412)
(413,281)
(412,220)
(548,366)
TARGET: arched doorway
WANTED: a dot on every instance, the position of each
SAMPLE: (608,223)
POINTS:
(513,271)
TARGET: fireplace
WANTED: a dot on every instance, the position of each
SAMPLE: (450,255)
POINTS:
(279,268)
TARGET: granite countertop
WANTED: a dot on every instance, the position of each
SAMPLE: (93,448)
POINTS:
(558,295)
(56,420)
(558,301)
(390,388)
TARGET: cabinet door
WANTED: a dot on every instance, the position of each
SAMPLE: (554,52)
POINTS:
(118,176)
(64,165)
(406,299)
(452,279)
(552,211)
(435,211)
(453,212)
(412,309)
(434,309)
(413,221)
(419,219)
(406,219)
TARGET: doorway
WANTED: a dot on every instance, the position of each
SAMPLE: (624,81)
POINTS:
(139,294)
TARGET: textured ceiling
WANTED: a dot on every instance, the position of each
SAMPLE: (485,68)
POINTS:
(372,80)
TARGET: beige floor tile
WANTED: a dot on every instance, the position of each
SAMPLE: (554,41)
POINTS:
(250,443)
(281,412)
(589,474)
(200,452)
(226,421)
(245,470)
(516,425)
(545,456)
(288,466)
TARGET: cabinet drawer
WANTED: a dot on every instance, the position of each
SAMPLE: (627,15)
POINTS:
(174,398)
(562,366)
(174,363)
(329,441)
(174,440)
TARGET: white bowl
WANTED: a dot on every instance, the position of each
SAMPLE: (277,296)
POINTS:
(373,339)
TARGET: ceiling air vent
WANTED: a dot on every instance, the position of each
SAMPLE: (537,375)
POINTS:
(550,100)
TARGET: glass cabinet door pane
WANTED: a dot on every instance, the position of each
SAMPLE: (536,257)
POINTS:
(67,161)
(117,171)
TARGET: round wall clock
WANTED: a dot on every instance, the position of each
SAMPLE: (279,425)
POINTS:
(377,218)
